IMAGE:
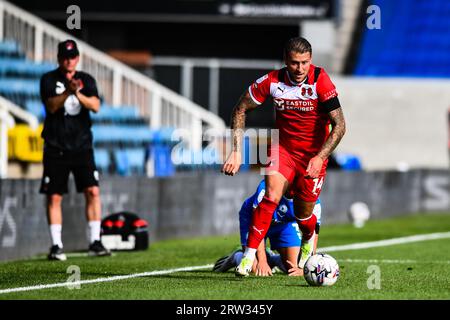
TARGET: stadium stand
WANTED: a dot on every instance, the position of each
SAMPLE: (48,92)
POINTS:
(137,118)
(10,49)
(413,36)
(122,138)
(19,82)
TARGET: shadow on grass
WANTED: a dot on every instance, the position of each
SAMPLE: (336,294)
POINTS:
(298,285)
(214,276)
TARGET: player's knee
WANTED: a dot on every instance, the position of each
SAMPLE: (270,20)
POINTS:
(303,209)
(54,199)
(273,195)
(302,214)
(274,199)
(92,192)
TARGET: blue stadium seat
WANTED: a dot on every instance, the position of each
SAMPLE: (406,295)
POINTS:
(349,162)
(129,161)
(161,154)
(414,40)
(116,114)
(136,160)
(246,160)
(164,136)
(210,158)
(132,135)
(120,133)
(17,67)
(185,159)
(102,160)
(10,48)
(19,90)
(121,161)
(36,107)
(20,86)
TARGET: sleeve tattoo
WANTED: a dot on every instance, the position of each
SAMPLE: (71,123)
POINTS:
(244,105)
(336,134)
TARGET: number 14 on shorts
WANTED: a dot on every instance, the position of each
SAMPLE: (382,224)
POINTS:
(318,182)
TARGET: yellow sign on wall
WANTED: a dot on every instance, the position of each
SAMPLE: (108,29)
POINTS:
(25,144)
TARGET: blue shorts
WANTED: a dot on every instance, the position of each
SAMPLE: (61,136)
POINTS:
(282,235)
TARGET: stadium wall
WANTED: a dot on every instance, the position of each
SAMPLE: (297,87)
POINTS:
(396,122)
(206,204)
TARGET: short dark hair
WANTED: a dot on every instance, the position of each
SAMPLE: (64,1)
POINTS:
(298,44)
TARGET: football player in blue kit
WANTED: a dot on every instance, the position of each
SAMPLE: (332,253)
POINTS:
(284,236)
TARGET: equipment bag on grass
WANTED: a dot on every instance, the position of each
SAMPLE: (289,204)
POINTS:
(124,231)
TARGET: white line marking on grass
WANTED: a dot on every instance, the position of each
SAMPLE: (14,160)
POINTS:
(354,246)
(69,255)
(77,254)
(390,261)
(388,242)
(82,254)
(107,279)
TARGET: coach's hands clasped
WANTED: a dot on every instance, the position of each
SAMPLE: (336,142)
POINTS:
(74,85)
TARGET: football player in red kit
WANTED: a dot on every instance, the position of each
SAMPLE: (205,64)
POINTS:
(306,103)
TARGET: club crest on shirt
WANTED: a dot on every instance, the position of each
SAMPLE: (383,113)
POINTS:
(308,92)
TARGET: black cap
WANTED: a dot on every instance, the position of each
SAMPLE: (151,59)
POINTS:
(68,49)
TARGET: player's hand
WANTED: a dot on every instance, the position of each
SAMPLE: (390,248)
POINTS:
(263,269)
(314,167)
(294,270)
(233,163)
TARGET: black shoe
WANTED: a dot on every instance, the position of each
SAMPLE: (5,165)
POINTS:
(97,249)
(56,253)
(227,262)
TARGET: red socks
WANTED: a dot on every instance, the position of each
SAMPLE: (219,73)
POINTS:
(261,219)
(307,226)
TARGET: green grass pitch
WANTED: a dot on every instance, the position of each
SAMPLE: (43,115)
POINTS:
(417,270)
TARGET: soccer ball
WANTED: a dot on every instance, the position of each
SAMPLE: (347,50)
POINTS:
(321,270)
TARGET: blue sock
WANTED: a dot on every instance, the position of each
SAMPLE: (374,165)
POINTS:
(237,258)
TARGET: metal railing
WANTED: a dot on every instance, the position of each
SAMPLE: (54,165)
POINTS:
(187,66)
(6,122)
(118,83)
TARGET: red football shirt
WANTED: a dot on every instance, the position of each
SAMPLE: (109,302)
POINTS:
(301,108)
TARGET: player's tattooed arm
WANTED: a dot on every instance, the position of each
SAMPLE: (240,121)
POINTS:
(234,160)
(244,105)
(336,134)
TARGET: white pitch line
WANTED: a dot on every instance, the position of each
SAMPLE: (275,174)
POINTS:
(388,242)
(69,255)
(82,254)
(354,246)
(107,279)
(391,261)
